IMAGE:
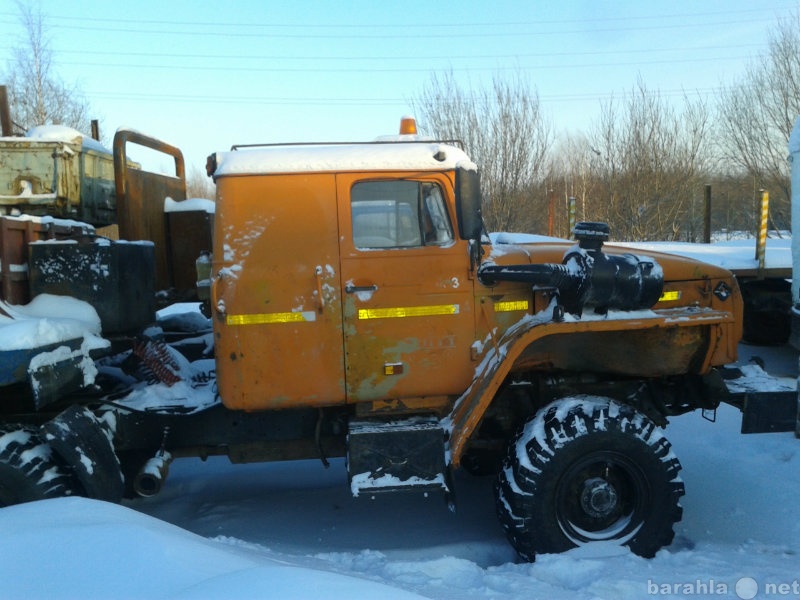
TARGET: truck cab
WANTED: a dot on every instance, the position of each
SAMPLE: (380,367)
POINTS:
(340,276)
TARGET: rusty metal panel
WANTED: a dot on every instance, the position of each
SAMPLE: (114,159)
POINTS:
(188,235)
(15,235)
(98,204)
(14,363)
(141,195)
(653,352)
(276,292)
(115,278)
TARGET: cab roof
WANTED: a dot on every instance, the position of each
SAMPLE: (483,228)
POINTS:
(352,157)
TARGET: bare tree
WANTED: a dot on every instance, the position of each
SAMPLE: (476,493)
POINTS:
(574,171)
(506,135)
(36,95)
(757,113)
(199,185)
(653,160)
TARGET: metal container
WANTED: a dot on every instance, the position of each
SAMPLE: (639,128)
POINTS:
(117,278)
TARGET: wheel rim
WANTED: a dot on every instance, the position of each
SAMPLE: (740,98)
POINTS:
(602,497)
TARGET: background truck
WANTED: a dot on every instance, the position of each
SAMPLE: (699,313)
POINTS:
(56,171)
(358,309)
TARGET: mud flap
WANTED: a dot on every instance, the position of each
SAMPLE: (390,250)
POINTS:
(80,439)
(397,455)
(770,412)
(61,370)
(50,382)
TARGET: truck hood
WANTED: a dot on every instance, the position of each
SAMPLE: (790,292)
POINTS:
(675,267)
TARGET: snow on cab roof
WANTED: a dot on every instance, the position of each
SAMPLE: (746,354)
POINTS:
(431,156)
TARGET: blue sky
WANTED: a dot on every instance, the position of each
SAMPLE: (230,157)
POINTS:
(206,75)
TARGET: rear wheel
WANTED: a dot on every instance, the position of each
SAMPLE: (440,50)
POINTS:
(29,470)
(589,470)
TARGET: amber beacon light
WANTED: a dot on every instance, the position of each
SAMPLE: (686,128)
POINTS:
(408,126)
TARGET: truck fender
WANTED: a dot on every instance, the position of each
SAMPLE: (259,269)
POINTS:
(489,376)
(504,352)
(81,439)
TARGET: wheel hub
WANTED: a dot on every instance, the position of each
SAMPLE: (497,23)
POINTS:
(598,498)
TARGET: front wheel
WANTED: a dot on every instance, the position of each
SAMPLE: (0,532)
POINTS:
(589,469)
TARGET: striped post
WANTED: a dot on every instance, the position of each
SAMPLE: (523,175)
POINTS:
(761,244)
(571,214)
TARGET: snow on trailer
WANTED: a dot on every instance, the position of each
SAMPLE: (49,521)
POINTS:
(49,334)
(766,287)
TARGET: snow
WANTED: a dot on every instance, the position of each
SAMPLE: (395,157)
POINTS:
(735,254)
(730,254)
(339,158)
(53,221)
(364,482)
(62,133)
(48,319)
(190,204)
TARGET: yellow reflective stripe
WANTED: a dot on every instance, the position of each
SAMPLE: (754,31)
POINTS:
(511,305)
(670,296)
(267,318)
(408,311)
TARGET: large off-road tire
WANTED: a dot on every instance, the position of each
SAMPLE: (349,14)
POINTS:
(28,468)
(589,469)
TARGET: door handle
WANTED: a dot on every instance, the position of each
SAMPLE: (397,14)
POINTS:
(320,297)
(216,303)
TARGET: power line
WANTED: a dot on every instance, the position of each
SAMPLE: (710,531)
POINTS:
(329,101)
(361,70)
(417,25)
(396,58)
(305,35)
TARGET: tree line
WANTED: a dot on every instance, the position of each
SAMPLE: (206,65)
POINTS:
(645,162)
(642,166)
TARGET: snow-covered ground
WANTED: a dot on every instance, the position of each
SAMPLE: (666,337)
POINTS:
(292,530)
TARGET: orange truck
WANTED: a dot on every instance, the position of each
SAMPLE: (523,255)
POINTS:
(359,309)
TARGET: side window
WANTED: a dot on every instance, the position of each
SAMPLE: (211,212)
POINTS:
(435,224)
(398,214)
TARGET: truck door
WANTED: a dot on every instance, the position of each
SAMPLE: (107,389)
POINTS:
(406,291)
(276,295)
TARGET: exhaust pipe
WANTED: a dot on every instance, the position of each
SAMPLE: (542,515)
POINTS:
(150,479)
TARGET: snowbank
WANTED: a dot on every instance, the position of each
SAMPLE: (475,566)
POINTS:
(48,319)
(85,549)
